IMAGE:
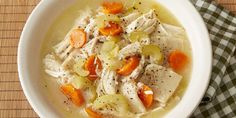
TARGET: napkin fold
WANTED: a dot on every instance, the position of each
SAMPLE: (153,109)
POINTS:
(220,97)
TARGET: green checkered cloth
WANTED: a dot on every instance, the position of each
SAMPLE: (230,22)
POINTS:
(220,98)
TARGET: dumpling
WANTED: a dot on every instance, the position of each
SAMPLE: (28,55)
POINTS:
(163,81)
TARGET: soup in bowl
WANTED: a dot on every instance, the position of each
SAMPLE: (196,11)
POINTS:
(116,59)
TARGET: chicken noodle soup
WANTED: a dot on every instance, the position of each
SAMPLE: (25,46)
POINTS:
(116,59)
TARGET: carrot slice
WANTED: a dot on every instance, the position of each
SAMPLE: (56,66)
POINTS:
(146,96)
(78,38)
(112,7)
(91,65)
(112,29)
(130,65)
(75,95)
(177,60)
(92,113)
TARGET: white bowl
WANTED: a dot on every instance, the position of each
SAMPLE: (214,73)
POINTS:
(47,11)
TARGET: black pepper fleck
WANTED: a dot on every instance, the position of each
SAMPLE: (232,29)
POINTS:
(91,36)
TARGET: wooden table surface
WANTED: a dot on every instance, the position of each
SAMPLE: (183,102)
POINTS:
(13,14)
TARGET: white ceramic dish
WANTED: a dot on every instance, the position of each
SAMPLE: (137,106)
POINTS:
(46,12)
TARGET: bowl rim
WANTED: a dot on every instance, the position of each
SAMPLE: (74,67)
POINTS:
(20,61)
(209,51)
(40,6)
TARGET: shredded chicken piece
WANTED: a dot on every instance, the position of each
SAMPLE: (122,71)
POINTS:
(100,88)
(130,91)
(126,20)
(109,80)
(146,23)
(91,29)
(63,49)
(54,67)
(108,84)
(93,46)
(130,50)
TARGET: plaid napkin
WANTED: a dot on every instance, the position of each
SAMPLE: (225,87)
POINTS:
(220,98)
